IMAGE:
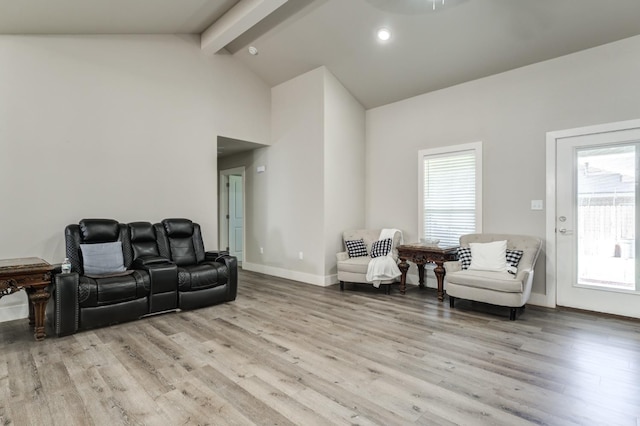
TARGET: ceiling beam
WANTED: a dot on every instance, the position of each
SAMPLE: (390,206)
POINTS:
(241,17)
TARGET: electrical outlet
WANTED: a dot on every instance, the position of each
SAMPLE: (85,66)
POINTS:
(261,250)
(301,255)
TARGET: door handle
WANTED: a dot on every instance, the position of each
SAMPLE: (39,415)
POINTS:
(565,231)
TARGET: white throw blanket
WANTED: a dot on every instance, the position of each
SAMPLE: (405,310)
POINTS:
(384,267)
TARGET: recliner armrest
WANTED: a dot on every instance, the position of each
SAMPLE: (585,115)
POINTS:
(231,262)
(65,299)
(212,256)
(143,262)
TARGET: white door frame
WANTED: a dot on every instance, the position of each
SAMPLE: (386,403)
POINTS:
(553,138)
(223,209)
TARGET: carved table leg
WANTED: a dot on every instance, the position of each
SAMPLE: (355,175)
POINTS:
(39,298)
(420,274)
(32,320)
(404,267)
(439,271)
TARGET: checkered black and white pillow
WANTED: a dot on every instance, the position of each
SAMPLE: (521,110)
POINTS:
(513,257)
(356,248)
(381,248)
(464,257)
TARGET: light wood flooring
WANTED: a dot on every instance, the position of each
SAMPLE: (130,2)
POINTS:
(290,353)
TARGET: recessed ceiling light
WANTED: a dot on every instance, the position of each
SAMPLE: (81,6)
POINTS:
(253,50)
(384,34)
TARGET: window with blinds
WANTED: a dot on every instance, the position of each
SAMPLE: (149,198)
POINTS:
(450,192)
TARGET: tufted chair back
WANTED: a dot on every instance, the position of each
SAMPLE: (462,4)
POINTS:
(530,246)
(91,231)
(180,240)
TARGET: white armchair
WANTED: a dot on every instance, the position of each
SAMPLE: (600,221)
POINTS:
(496,288)
(354,269)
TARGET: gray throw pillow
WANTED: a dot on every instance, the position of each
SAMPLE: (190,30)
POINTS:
(102,258)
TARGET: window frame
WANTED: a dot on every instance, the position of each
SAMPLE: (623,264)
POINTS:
(476,147)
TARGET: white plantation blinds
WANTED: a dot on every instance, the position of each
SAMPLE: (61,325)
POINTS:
(450,193)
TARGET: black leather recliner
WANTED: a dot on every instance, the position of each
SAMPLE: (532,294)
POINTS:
(83,301)
(201,280)
(166,269)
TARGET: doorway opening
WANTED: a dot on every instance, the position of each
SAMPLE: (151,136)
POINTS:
(231,222)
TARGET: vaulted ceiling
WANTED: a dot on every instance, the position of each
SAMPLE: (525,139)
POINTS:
(429,49)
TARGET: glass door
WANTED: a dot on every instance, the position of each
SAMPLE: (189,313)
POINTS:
(597,189)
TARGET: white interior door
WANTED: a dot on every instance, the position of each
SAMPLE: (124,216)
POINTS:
(597,188)
(236,215)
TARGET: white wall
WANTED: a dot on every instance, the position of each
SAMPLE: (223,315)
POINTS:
(344,168)
(313,187)
(510,113)
(121,127)
(288,215)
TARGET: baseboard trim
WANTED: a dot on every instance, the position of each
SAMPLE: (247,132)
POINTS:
(14,312)
(538,299)
(319,280)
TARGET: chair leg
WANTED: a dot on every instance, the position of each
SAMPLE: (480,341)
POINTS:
(452,301)
(512,314)
(341,285)
(388,289)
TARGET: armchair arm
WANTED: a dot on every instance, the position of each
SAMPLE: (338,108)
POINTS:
(65,299)
(452,266)
(525,276)
(342,256)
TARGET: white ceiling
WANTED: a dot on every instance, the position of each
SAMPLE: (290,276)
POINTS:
(429,50)
(109,16)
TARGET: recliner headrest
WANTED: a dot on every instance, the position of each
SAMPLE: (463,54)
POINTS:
(99,230)
(178,228)
(141,232)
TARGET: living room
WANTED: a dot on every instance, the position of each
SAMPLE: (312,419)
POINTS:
(124,126)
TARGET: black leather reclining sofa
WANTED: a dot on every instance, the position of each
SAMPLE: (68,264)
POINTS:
(162,267)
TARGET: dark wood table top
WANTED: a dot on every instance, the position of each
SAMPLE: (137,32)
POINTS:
(9,266)
(426,248)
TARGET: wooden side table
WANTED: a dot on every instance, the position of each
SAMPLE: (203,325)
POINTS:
(421,255)
(33,275)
